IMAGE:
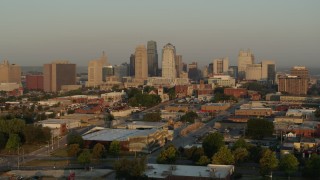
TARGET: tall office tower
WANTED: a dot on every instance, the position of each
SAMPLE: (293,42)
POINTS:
(141,63)
(233,71)
(168,61)
(193,71)
(121,71)
(205,72)
(293,85)
(95,77)
(253,72)
(185,67)
(178,61)
(244,58)
(152,58)
(58,73)
(268,71)
(221,65)
(132,63)
(300,71)
(210,69)
(10,73)
(107,71)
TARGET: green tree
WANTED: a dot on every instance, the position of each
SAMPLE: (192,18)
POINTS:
(114,148)
(289,164)
(3,140)
(312,167)
(98,151)
(84,157)
(240,143)
(212,143)
(153,117)
(240,154)
(268,162)
(75,138)
(223,156)
(36,134)
(13,142)
(73,150)
(189,117)
(259,128)
(168,156)
(203,161)
(130,169)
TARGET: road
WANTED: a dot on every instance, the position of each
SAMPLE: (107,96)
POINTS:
(182,141)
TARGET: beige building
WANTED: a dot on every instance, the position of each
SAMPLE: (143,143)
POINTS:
(10,73)
(141,62)
(168,61)
(253,72)
(95,71)
(58,73)
(244,58)
(268,69)
(220,65)
(300,71)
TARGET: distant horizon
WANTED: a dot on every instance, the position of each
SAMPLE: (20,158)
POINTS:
(37,32)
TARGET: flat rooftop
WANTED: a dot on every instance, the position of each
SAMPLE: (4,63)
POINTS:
(58,121)
(161,171)
(116,134)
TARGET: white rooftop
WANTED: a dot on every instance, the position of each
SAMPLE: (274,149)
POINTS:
(162,171)
(117,134)
(58,121)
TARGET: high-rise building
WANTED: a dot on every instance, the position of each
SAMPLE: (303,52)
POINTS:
(193,72)
(185,67)
(300,71)
(178,60)
(58,73)
(107,71)
(268,71)
(10,73)
(152,58)
(121,71)
(210,69)
(141,63)
(220,65)
(34,82)
(132,63)
(244,58)
(233,71)
(168,61)
(293,85)
(95,77)
(253,72)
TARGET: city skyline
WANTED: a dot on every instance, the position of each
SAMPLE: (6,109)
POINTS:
(36,32)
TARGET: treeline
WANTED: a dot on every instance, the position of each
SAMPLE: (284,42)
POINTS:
(137,98)
(15,132)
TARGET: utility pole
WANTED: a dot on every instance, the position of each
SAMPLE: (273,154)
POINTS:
(18,157)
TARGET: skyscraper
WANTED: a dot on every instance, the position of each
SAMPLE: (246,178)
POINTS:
(95,77)
(132,64)
(300,71)
(141,62)
(220,65)
(168,61)
(178,62)
(152,58)
(58,73)
(121,71)
(233,71)
(268,71)
(244,58)
(293,85)
(10,73)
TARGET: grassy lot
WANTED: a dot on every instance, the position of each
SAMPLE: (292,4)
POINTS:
(26,148)
(46,163)
(60,152)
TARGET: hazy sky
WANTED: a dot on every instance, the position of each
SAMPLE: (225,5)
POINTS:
(37,32)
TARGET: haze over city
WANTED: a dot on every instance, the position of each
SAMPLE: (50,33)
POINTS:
(38,32)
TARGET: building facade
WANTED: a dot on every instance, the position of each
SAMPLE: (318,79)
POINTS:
(58,73)
(168,61)
(141,62)
(10,73)
(244,58)
(95,76)
(178,60)
(34,82)
(293,85)
(152,58)
(220,65)
(132,64)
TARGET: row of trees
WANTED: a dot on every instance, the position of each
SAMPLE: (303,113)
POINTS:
(15,132)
